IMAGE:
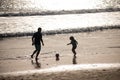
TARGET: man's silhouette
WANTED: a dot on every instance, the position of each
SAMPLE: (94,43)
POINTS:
(37,40)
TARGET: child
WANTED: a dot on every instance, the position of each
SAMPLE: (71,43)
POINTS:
(74,45)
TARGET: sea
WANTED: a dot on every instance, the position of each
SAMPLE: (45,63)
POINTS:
(25,16)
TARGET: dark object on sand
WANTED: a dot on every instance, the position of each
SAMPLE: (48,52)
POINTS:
(57,56)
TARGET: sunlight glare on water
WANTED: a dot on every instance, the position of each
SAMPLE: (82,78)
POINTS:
(69,4)
(74,4)
(28,23)
(57,22)
(39,5)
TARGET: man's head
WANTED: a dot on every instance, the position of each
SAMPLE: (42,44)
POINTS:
(39,29)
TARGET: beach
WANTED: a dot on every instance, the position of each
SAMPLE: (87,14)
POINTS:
(95,25)
(99,51)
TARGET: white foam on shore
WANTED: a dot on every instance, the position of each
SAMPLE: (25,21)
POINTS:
(67,68)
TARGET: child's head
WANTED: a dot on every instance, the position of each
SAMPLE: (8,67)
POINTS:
(71,38)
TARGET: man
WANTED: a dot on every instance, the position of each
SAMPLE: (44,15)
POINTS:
(37,40)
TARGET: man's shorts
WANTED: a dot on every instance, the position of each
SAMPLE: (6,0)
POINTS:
(37,47)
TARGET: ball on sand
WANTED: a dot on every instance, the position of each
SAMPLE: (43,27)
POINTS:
(57,55)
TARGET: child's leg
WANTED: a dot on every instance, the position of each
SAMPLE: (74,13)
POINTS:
(74,52)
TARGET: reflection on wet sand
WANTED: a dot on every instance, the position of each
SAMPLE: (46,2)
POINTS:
(36,64)
(74,60)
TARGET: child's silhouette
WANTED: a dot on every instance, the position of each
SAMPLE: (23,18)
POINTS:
(74,45)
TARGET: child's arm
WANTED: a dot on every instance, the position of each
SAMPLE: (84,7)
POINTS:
(76,42)
(68,43)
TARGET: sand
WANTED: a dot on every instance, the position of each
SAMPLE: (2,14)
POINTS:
(98,51)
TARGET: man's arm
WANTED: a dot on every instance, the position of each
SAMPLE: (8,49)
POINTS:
(42,41)
(33,40)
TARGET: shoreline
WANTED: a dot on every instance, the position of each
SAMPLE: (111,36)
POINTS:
(68,72)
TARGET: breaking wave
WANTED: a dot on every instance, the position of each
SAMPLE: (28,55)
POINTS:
(64,31)
(48,12)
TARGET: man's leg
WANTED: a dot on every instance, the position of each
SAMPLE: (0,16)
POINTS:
(37,55)
(38,47)
(33,53)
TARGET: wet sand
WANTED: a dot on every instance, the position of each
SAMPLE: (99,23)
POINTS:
(94,49)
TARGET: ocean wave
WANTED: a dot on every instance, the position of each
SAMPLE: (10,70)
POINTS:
(64,31)
(48,12)
(68,72)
